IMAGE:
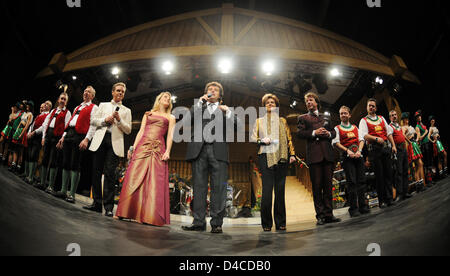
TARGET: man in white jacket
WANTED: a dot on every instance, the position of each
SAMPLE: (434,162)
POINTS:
(112,120)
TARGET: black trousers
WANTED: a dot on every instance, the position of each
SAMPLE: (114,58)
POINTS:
(204,166)
(72,155)
(321,178)
(34,147)
(105,160)
(356,181)
(401,181)
(427,152)
(380,157)
(52,155)
(273,181)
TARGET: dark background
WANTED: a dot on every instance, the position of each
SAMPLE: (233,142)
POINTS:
(418,31)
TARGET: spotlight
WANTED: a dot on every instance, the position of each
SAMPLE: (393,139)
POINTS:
(397,88)
(168,67)
(293,104)
(379,80)
(225,66)
(174,99)
(327,113)
(74,77)
(268,67)
(115,71)
(335,73)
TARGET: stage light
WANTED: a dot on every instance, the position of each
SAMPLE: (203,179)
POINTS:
(327,113)
(293,104)
(174,99)
(268,67)
(74,77)
(379,80)
(168,67)
(335,72)
(225,65)
(115,71)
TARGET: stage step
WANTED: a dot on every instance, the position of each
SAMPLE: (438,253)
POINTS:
(299,202)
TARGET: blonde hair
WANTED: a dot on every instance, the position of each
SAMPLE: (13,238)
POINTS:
(119,84)
(157,106)
(346,108)
(270,96)
(92,90)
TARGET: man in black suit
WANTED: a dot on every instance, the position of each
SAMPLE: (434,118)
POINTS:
(208,152)
(316,129)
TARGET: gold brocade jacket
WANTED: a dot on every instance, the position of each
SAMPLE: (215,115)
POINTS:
(256,138)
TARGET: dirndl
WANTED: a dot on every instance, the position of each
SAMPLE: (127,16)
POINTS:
(414,152)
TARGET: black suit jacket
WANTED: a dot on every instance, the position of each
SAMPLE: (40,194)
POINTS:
(220,147)
(318,149)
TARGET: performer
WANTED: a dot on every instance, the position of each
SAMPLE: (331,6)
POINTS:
(20,136)
(439,152)
(414,152)
(276,152)
(316,129)
(250,191)
(74,143)
(347,140)
(378,134)
(401,174)
(12,148)
(426,148)
(53,127)
(8,131)
(145,191)
(34,137)
(112,120)
(209,157)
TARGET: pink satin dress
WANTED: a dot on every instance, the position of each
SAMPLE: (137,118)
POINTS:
(145,191)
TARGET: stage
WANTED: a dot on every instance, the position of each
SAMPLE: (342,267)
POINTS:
(35,223)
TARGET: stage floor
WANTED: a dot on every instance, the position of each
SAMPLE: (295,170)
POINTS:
(35,223)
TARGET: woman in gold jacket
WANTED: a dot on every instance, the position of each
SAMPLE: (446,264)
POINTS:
(276,152)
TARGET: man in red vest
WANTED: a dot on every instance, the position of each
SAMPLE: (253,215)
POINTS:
(34,142)
(347,140)
(54,126)
(378,136)
(401,174)
(74,143)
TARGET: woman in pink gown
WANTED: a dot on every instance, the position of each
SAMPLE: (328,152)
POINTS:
(145,191)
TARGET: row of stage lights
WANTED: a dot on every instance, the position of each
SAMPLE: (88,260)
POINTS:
(225,66)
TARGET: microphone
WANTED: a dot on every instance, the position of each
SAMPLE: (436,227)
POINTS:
(209,97)
(117,109)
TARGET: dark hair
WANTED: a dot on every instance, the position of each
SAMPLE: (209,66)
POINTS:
(372,100)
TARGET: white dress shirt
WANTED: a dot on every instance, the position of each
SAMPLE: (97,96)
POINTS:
(212,107)
(364,129)
(74,121)
(40,129)
(51,124)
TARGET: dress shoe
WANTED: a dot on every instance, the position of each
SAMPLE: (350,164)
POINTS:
(354,214)
(281,228)
(391,203)
(216,230)
(194,228)
(109,214)
(60,195)
(321,221)
(50,190)
(332,220)
(364,211)
(70,199)
(93,208)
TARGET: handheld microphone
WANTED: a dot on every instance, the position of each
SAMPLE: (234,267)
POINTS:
(209,97)
(117,109)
